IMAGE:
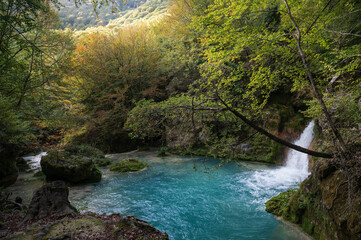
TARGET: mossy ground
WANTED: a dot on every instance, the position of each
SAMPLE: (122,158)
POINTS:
(95,154)
(279,205)
(87,226)
(128,165)
(81,228)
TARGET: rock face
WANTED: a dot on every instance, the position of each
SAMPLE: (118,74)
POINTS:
(327,205)
(50,199)
(60,165)
(8,170)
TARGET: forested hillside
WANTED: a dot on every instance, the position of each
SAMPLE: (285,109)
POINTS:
(208,68)
(115,14)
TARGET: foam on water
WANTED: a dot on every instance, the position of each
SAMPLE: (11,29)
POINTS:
(34,161)
(263,183)
(191,198)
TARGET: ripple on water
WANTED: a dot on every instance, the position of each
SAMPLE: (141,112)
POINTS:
(206,203)
(192,198)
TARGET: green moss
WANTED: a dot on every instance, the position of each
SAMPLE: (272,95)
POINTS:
(78,226)
(279,205)
(163,152)
(84,150)
(307,225)
(61,165)
(102,162)
(191,151)
(128,165)
(39,174)
(96,177)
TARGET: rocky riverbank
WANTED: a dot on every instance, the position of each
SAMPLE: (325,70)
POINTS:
(328,203)
(51,216)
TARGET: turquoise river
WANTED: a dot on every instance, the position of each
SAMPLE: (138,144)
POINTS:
(202,198)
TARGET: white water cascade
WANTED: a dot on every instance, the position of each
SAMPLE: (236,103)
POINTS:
(34,161)
(263,184)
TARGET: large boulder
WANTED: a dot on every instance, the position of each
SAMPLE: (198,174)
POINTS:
(8,170)
(50,199)
(61,165)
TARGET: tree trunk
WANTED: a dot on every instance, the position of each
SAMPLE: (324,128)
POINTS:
(317,94)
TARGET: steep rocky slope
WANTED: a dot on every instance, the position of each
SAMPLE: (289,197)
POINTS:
(328,203)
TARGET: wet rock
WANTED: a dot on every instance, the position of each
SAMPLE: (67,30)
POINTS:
(52,198)
(8,170)
(61,165)
(327,205)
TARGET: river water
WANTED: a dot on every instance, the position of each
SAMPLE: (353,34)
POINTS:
(202,198)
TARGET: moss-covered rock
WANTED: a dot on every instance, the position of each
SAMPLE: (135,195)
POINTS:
(61,165)
(81,228)
(279,205)
(89,226)
(102,162)
(327,205)
(128,165)
(84,150)
(163,152)
(95,154)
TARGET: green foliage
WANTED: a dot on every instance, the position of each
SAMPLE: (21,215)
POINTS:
(164,81)
(32,52)
(131,11)
(95,154)
(112,71)
(186,129)
(251,53)
(345,108)
(162,152)
(128,165)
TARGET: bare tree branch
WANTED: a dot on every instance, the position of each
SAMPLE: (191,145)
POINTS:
(271,136)
(317,94)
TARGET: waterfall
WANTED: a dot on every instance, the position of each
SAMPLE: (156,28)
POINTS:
(298,160)
(264,184)
(34,161)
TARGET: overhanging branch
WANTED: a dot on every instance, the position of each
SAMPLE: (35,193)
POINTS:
(271,136)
